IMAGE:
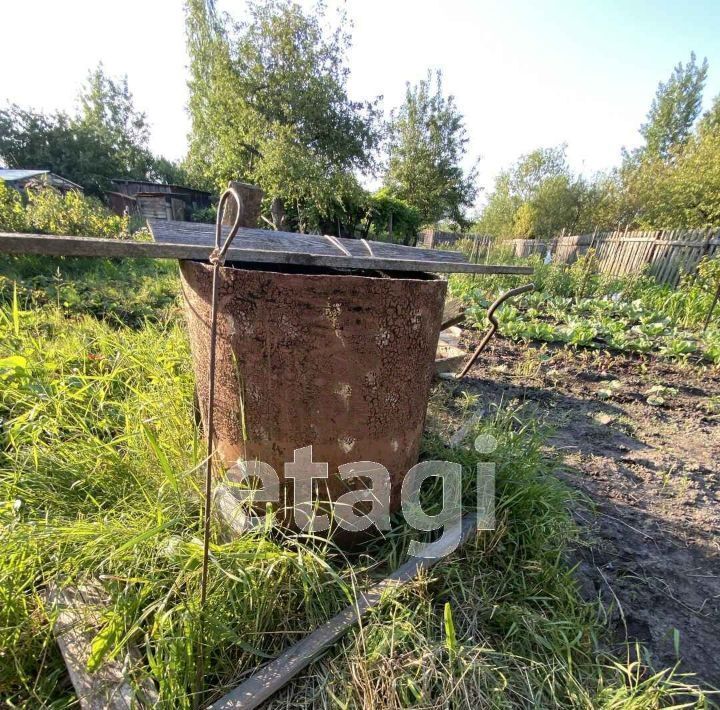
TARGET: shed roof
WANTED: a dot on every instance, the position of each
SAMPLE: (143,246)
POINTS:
(18,174)
(126,181)
(12,174)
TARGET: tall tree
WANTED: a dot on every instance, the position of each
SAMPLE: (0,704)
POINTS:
(674,109)
(107,137)
(658,189)
(711,118)
(536,197)
(107,111)
(428,142)
(269,104)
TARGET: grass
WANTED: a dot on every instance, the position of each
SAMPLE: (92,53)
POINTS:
(121,292)
(100,463)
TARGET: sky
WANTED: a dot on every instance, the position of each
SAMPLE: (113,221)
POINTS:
(525,74)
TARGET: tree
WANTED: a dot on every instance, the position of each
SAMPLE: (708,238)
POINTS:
(168,172)
(674,109)
(531,170)
(269,105)
(711,118)
(427,144)
(536,197)
(683,192)
(107,138)
(673,180)
(107,111)
(29,139)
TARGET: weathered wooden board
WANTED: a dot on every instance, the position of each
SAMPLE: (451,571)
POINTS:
(453,313)
(50,245)
(269,679)
(78,622)
(172,232)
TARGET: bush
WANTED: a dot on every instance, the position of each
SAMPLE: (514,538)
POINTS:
(204,214)
(50,212)
(47,211)
(12,212)
(405,218)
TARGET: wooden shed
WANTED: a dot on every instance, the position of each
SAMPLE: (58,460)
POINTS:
(22,179)
(154,200)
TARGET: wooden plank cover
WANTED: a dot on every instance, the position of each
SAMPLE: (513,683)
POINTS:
(51,245)
(196,233)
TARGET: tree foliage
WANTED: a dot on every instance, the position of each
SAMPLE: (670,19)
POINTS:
(671,181)
(674,109)
(106,138)
(108,113)
(427,144)
(269,105)
(683,191)
(536,197)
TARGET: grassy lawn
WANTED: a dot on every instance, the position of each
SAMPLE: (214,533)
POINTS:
(99,459)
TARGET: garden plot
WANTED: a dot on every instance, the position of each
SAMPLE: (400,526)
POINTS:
(99,460)
(639,437)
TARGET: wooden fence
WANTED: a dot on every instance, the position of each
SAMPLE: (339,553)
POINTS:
(666,254)
(478,244)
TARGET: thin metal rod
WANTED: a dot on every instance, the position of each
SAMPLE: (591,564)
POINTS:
(493,324)
(217,258)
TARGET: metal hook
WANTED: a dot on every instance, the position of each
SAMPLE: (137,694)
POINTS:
(493,324)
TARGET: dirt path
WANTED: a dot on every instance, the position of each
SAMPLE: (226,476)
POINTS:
(651,479)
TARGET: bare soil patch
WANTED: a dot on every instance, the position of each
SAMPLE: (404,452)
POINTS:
(649,477)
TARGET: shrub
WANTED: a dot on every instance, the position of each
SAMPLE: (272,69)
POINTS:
(47,211)
(12,212)
(405,218)
(50,212)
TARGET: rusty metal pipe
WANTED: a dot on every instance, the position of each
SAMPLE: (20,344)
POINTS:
(493,323)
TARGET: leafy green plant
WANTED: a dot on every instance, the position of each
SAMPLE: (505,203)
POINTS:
(12,211)
(50,212)
(632,314)
(609,389)
(658,395)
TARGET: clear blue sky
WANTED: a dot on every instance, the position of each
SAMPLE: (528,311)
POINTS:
(525,74)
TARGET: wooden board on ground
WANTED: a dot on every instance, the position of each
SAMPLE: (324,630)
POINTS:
(449,355)
(111,686)
(453,313)
(249,248)
(269,679)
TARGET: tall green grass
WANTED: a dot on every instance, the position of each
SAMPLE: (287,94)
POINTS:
(99,467)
